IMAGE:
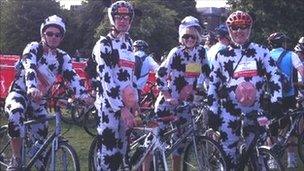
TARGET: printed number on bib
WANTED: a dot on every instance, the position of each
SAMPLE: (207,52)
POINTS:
(246,69)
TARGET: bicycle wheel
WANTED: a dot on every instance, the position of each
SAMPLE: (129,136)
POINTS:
(267,160)
(65,158)
(301,147)
(210,155)
(93,158)
(158,162)
(5,149)
(91,121)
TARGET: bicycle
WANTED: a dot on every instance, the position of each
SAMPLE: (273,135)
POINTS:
(255,156)
(56,152)
(160,149)
(278,148)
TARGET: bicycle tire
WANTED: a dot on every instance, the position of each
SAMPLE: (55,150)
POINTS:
(211,153)
(63,162)
(91,121)
(301,147)
(92,163)
(265,155)
(5,148)
(159,163)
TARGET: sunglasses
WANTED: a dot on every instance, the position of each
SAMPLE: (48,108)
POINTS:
(51,34)
(187,36)
(242,27)
(121,17)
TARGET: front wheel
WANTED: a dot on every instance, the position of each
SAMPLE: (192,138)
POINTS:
(267,160)
(301,147)
(210,155)
(91,121)
(66,158)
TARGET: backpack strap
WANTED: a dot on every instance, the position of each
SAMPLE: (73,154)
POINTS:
(138,65)
(280,58)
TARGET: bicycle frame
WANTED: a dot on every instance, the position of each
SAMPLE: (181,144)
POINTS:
(53,138)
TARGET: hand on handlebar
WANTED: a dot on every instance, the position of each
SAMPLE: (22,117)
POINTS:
(34,94)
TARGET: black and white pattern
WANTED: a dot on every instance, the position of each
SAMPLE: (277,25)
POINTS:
(115,68)
(173,76)
(227,112)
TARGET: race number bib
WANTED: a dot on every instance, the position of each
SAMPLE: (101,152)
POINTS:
(246,69)
(126,60)
(193,70)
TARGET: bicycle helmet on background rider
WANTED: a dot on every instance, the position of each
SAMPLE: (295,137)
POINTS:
(54,21)
(119,8)
(222,31)
(276,39)
(141,45)
(187,22)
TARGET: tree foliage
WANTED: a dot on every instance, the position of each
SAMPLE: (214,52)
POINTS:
(273,16)
(20,22)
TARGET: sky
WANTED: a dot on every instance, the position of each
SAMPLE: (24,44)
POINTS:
(199,3)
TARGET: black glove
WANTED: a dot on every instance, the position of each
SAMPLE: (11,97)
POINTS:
(214,120)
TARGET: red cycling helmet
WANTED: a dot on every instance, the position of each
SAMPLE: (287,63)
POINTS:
(239,18)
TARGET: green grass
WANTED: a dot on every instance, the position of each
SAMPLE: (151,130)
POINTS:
(76,136)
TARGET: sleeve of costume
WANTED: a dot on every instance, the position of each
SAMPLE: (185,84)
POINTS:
(71,76)
(164,71)
(214,85)
(105,71)
(153,65)
(29,62)
(273,76)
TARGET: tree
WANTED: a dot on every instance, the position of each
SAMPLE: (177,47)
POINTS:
(156,25)
(20,22)
(273,16)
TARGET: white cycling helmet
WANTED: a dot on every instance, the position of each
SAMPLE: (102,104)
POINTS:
(189,21)
(53,20)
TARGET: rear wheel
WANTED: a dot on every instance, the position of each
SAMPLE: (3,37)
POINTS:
(210,155)
(66,158)
(5,148)
(93,158)
(268,161)
(91,121)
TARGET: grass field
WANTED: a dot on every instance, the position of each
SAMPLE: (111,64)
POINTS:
(81,141)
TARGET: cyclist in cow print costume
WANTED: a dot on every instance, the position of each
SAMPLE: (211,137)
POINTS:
(178,74)
(38,68)
(116,96)
(238,75)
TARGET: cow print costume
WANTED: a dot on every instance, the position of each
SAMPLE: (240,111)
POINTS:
(115,68)
(19,106)
(176,69)
(226,113)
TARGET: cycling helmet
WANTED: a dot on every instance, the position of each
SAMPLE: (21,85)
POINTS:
(55,21)
(299,48)
(189,21)
(239,18)
(141,45)
(277,38)
(120,7)
(221,31)
(301,40)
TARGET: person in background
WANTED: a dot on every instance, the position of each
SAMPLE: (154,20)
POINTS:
(286,62)
(237,76)
(115,83)
(41,63)
(223,39)
(210,40)
(144,63)
(299,50)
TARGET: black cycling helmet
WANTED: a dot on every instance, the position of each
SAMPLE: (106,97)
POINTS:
(141,45)
(276,39)
(222,31)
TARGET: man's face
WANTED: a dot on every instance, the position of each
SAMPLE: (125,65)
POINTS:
(122,22)
(53,37)
(239,33)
